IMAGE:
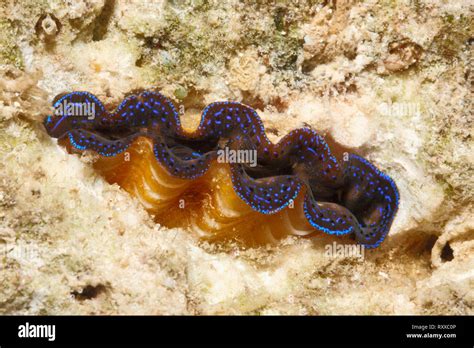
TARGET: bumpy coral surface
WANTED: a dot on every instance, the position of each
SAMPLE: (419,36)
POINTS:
(387,80)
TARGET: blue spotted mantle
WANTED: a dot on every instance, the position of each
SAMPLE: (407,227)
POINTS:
(350,196)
